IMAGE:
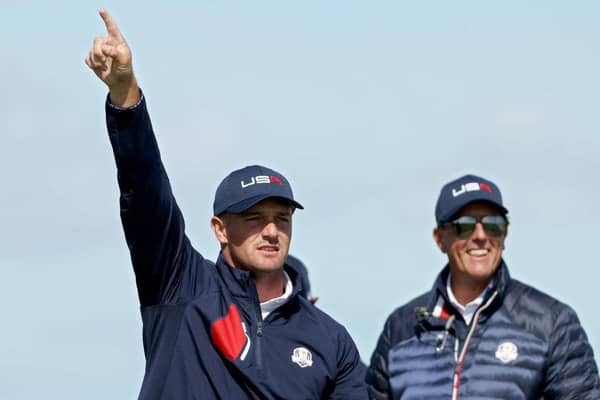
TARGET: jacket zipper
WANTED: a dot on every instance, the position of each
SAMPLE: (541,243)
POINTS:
(259,333)
(458,370)
(259,330)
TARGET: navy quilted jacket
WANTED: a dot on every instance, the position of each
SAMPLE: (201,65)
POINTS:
(521,344)
(204,337)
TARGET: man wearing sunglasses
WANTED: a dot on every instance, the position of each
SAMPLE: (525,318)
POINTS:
(478,333)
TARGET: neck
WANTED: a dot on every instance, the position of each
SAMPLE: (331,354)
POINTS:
(269,285)
(466,292)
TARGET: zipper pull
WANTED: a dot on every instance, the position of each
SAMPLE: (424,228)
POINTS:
(456,345)
(440,342)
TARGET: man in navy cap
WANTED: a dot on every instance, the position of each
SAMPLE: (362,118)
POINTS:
(478,333)
(234,329)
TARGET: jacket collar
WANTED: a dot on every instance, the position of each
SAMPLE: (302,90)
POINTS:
(240,283)
(501,283)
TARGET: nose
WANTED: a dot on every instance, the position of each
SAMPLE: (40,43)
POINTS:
(270,230)
(479,233)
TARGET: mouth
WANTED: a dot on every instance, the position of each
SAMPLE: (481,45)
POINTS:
(268,248)
(478,252)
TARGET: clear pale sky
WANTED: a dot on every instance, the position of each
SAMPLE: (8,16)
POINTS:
(367,107)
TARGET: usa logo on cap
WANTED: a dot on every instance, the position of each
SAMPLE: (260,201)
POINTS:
(471,187)
(261,179)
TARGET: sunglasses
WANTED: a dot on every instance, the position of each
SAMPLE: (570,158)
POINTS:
(493,225)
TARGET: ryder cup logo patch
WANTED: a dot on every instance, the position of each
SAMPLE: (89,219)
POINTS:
(302,357)
(507,352)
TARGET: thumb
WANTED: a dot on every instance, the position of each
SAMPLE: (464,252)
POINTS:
(119,54)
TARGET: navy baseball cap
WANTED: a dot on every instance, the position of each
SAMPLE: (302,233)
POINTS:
(464,190)
(245,187)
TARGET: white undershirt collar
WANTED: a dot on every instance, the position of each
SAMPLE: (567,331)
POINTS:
(268,306)
(467,311)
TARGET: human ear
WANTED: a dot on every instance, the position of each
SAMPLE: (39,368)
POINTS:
(437,237)
(504,238)
(219,229)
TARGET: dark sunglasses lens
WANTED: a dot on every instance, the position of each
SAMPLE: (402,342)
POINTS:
(494,225)
(463,226)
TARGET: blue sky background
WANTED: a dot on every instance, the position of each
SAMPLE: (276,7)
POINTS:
(368,108)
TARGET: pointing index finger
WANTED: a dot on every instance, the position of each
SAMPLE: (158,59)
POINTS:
(111,26)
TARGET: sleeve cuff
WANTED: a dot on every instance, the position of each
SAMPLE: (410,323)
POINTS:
(117,108)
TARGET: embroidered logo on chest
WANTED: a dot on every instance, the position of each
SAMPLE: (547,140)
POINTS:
(302,357)
(507,352)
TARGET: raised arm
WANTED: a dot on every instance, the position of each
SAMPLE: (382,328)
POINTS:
(152,221)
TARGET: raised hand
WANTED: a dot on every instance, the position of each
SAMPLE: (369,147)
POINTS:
(110,59)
